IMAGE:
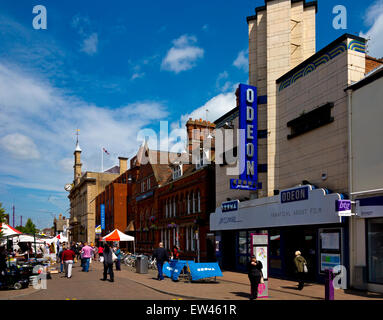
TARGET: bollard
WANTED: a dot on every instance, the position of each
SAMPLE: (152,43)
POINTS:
(329,287)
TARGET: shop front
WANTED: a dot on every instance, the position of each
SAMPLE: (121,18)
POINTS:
(298,219)
(370,211)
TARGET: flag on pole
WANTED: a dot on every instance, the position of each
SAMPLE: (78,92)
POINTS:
(103,149)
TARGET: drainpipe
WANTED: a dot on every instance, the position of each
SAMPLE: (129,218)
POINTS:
(352,233)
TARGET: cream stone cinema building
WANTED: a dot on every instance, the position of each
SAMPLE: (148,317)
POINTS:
(303,148)
(85,188)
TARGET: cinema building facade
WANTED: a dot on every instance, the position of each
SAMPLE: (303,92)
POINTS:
(303,147)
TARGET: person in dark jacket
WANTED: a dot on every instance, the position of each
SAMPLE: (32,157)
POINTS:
(300,263)
(161,255)
(254,268)
(108,262)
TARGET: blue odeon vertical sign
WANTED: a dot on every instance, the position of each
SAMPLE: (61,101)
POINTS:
(248,154)
(102,210)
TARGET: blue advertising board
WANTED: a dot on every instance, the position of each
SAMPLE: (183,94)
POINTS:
(204,270)
(248,126)
(174,268)
(102,210)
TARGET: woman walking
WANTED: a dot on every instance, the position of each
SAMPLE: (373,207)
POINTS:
(300,265)
(255,275)
(108,263)
(67,258)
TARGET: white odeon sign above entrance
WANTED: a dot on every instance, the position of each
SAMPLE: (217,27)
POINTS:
(296,206)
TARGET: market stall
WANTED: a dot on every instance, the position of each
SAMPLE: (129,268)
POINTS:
(117,236)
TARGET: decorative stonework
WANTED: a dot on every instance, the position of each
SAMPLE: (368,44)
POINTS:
(354,45)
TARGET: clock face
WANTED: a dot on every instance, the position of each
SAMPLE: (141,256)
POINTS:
(68,187)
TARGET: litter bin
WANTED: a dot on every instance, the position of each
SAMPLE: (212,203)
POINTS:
(142,264)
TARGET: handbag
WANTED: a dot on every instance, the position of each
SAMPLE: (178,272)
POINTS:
(305,269)
(114,257)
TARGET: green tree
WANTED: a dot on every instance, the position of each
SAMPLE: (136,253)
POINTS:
(29,227)
(2,217)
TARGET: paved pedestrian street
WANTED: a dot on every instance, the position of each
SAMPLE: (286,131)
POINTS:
(130,285)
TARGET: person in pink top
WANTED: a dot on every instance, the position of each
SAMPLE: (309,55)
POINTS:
(86,252)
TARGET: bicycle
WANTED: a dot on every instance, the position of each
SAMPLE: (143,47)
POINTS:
(152,263)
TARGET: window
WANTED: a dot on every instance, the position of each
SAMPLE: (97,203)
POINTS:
(193,202)
(311,120)
(187,238)
(143,186)
(148,184)
(375,250)
(199,201)
(177,171)
(174,237)
(262,134)
(174,207)
(191,239)
(188,200)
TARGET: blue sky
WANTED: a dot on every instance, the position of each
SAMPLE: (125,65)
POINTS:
(114,69)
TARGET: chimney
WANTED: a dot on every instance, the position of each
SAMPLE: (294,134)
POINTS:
(77,164)
(203,128)
(123,164)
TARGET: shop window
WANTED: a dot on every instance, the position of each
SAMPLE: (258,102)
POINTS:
(375,250)
(311,120)
(242,242)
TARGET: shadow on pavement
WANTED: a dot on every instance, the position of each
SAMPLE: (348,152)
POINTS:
(242,294)
(290,287)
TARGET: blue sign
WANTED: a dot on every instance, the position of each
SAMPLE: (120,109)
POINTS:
(230,206)
(102,210)
(297,194)
(248,125)
(205,270)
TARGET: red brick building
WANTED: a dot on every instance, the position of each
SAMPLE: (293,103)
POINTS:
(165,197)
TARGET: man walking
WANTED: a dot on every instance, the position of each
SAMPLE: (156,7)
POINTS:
(161,255)
(108,263)
(87,252)
(67,258)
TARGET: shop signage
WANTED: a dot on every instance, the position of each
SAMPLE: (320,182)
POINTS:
(370,207)
(248,124)
(98,229)
(230,206)
(270,212)
(102,210)
(343,208)
(297,194)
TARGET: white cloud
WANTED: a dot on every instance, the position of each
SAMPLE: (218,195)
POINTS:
(374,19)
(183,55)
(20,146)
(222,83)
(36,116)
(241,62)
(90,44)
(137,75)
(217,107)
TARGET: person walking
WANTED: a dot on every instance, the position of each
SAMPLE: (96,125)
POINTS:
(301,269)
(67,258)
(60,258)
(100,253)
(117,252)
(108,263)
(87,252)
(161,255)
(255,275)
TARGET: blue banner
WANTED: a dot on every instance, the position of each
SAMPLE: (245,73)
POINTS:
(174,268)
(102,209)
(205,270)
(248,155)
